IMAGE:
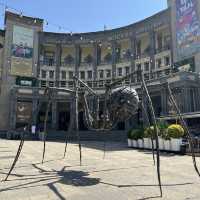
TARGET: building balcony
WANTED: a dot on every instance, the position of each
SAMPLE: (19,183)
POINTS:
(162,49)
(124,60)
(141,56)
(65,64)
(82,64)
(103,62)
(47,63)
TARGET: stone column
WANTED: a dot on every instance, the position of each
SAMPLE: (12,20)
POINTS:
(187,100)
(152,48)
(95,46)
(58,63)
(13,108)
(40,50)
(163,101)
(77,59)
(133,53)
(72,114)
(54,114)
(113,59)
(35,106)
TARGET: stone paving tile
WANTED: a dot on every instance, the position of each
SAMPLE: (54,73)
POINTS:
(124,174)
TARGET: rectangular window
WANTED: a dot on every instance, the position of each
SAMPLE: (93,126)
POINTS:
(44,74)
(100,83)
(127,69)
(159,63)
(89,74)
(43,83)
(71,83)
(51,74)
(146,66)
(71,74)
(63,74)
(82,75)
(108,73)
(51,84)
(101,73)
(139,67)
(146,76)
(119,70)
(51,62)
(167,61)
(63,84)
(138,48)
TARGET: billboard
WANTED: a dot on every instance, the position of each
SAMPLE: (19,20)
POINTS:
(187,28)
(22,51)
(24,112)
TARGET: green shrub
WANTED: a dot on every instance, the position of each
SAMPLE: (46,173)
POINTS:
(129,134)
(162,126)
(137,134)
(149,132)
(175,131)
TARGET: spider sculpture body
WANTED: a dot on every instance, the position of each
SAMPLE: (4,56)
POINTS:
(120,104)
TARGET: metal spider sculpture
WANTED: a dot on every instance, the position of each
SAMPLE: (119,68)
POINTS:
(120,103)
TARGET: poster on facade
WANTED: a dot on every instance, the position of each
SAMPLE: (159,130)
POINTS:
(187,27)
(24,112)
(22,51)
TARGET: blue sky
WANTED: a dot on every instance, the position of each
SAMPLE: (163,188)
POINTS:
(86,15)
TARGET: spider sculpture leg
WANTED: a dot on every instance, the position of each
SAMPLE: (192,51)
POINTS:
(156,132)
(16,157)
(184,125)
(77,122)
(66,137)
(148,123)
(45,130)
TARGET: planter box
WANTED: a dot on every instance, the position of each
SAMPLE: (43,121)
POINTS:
(140,144)
(167,145)
(161,143)
(129,143)
(176,144)
(147,143)
(134,143)
(154,144)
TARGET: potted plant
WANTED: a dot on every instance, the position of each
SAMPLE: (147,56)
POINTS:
(167,141)
(162,126)
(148,133)
(136,136)
(175,132)
(140,134)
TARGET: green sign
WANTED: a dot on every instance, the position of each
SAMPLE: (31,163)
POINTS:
(26,81)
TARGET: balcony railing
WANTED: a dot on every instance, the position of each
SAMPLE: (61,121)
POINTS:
(65,64)
(48,62)
(164,48)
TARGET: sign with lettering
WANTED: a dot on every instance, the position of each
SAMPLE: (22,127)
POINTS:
(187,28)
(24,112)
(22,51)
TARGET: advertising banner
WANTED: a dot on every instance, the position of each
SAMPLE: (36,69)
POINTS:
(187,27)
(22,51)
(24,112)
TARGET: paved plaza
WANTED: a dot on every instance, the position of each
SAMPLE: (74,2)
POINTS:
(123,174)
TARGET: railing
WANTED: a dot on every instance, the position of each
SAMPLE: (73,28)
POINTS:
(48,62)
(65,64)
(164,48)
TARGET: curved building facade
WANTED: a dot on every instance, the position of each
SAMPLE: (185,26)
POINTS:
(33,59)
